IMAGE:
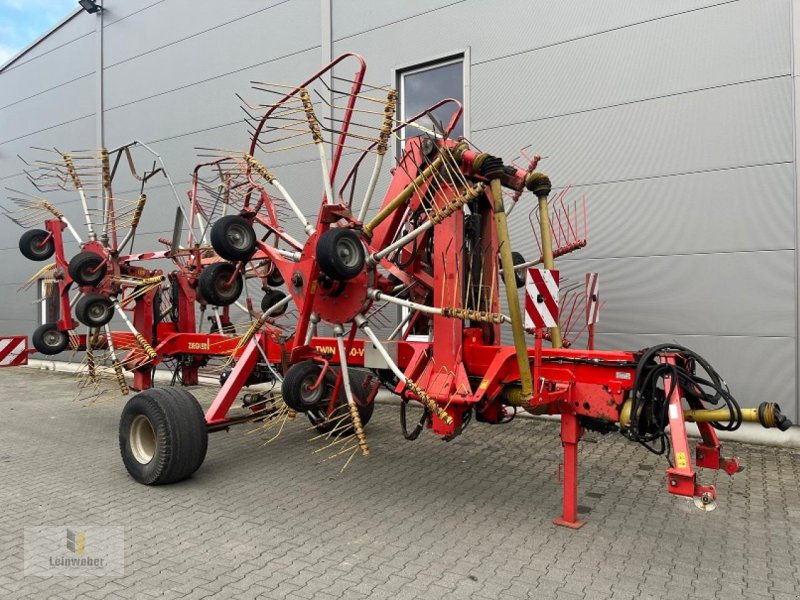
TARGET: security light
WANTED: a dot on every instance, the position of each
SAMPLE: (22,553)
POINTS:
(90,6)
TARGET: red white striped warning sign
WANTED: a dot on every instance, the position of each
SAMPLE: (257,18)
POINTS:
(592,298)
(13,351)
(541,298)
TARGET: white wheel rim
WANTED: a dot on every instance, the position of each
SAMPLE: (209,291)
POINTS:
(142,439)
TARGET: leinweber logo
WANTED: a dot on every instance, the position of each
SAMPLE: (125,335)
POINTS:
(98,551)
(76,542)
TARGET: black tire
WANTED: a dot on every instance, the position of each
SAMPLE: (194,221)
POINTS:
(519,276)
(94,310)
(87,268)
(340,253)
(212,284)
(162,436)
(270,299)
(47,339)
(275,279)
(361,384)
(297,383)
(233,237)
(33,246)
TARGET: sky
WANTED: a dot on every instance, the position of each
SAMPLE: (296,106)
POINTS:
(22,21)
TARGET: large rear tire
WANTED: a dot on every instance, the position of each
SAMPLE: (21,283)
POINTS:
(162,436)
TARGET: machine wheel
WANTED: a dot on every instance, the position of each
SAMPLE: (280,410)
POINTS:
(519,276)
(298,383)
(270,299)
(87,268)
(214,287)
(358,380)
(94,310)
(162,436)
(233,237)
(340,253)
(47,339)
(275,279)
(36,244)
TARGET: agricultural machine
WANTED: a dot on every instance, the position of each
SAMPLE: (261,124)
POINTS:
(417,293)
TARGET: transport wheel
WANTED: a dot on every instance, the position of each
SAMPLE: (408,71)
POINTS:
(358,382)
(36,244)
(94,310)
(47,339)
(87,268)
(214,284)
(298,386)
(233,238)
(519,276)
(270,299)
(275,279)
(340,253)
(162,436)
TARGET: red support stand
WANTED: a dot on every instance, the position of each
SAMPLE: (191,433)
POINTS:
(571,433)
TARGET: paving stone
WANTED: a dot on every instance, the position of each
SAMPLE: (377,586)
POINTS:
(468,519)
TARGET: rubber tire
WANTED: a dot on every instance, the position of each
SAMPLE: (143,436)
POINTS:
(365,411)
(180,430)
(82,309)
(297,378)
(38,340)
(29,245)
(275,279)
(81,265)
(271,298)
(207,284)
(328,257)
(220,240)
(519,276)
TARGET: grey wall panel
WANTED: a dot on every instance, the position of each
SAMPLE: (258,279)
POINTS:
(737,125)
(716,211)
(201,106)
(164,23)
(71,135)
(63,104)
(600,70)
(351,17)
(755,368)
(740,293)
(71,62)
(517,26)
(56,41)
(259,39)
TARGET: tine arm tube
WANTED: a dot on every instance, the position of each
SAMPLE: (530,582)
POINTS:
(348,392)
(373,182)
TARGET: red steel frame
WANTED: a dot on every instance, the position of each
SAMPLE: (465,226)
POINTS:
(573,383)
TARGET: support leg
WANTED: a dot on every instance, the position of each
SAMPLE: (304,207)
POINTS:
(571,432)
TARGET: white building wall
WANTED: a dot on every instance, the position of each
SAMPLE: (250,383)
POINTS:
(676,120)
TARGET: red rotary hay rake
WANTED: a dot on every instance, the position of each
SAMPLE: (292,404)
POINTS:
(435,251)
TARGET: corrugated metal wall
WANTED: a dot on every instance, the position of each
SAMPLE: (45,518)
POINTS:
(676,120)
